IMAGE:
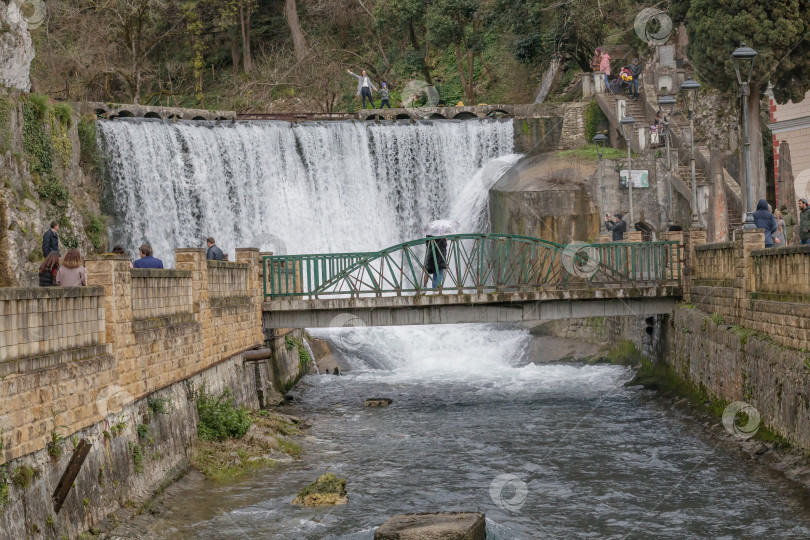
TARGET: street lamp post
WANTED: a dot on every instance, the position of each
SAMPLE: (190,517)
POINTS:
(742,54)
(666,104)
(599,142)
(627,131)
(690,89)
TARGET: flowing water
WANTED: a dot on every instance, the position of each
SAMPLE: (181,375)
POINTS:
(546,450)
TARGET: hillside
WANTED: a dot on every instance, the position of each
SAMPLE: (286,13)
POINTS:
(282,55)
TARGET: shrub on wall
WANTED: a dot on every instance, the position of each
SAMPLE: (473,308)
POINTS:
(219,418)
(593,118)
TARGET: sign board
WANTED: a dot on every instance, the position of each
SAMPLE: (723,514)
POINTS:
(641,179)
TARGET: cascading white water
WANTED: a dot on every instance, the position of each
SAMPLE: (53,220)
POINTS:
(310,188)
(321,187)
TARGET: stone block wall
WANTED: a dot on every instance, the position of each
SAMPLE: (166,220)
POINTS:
(764,290)
(46,321)
(160,293)
(75,356)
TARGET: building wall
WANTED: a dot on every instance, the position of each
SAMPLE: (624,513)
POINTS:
(791,123)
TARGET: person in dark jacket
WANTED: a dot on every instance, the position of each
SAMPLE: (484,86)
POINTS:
(213,253)
(635,70)
(617,225)
(48,269)
(804,221)
(435,261)
(146,260)
(50,240)
(763,219)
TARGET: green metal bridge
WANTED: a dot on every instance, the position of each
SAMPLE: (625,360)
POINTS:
(488,278)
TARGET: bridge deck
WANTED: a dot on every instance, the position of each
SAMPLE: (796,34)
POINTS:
(642,299)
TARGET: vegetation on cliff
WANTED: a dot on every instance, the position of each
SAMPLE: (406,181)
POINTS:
(283,54)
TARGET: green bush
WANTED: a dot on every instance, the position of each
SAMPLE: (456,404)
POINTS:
(96,233)
(52,190)
(64,113)
(88,147)
(593,117)
(219,418)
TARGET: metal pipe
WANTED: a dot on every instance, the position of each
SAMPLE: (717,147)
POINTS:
(630,178)
(695,220)
(748,218)
(669,176)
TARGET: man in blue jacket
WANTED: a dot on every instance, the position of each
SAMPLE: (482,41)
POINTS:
(213,253)
(146,260)
(763,219)
(50,240)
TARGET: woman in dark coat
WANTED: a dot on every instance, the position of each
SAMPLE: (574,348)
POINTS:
(436,260)
(48,269)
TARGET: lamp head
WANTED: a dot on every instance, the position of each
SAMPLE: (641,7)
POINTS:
(744,55)
(627,122)
(690,89)
(599,142)
(667,104)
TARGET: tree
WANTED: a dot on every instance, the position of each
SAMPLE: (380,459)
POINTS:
(234,18)
(777,30)
(299,42)
(454,23)
(406,19)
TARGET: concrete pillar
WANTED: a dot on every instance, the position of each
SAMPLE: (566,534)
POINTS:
(643,137)
(587,87)
(251,256)
(112,273)
(694,237)
(599,82)
(632,236)
(193,260)
(746,241)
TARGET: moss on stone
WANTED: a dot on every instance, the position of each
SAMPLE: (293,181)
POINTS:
(329,489)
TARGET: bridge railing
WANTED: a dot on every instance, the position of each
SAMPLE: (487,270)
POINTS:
(475,263)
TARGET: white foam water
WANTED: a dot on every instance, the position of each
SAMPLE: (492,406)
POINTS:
(308,188)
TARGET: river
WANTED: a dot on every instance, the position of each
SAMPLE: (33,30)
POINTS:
(544,450)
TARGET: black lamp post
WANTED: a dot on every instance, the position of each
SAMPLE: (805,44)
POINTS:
(745,55)
(690,89)
(599,142)
(627,124)
(666,104)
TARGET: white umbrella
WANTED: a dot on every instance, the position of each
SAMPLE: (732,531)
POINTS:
(440,227)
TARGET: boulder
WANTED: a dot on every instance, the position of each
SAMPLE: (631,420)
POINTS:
(436,526)
(327,490)
(377,402)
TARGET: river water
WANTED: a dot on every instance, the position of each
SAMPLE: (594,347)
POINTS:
(545,450)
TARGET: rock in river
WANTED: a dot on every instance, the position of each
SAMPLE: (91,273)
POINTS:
(377,402)
(327,490)
(437,526)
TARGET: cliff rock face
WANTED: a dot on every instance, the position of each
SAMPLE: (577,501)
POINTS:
(16,48)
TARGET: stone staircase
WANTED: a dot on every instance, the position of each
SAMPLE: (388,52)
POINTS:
(685,172)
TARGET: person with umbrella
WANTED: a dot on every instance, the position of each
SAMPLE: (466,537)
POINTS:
(436,256)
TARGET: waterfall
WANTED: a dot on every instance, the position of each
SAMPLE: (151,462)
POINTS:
(306,188)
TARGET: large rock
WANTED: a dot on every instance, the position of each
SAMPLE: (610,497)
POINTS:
(16,48)
(438,526)
(327,490)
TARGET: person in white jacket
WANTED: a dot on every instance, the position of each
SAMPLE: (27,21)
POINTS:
(364,87)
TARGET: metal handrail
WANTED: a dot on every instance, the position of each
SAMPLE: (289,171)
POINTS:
(475,263)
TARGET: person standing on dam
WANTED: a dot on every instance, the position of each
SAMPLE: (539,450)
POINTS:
(364,87)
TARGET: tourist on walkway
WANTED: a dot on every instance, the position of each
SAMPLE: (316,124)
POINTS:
(50,240)
(790,224)
(763,219)
(385,95)
(48,269)
(597,58)
(435,261)
(604,67)
(779,237)
(71,273)
(635,70)
(119,250)
(804,221)
(213,253)
(364,87)
(617,225)
(146,260)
